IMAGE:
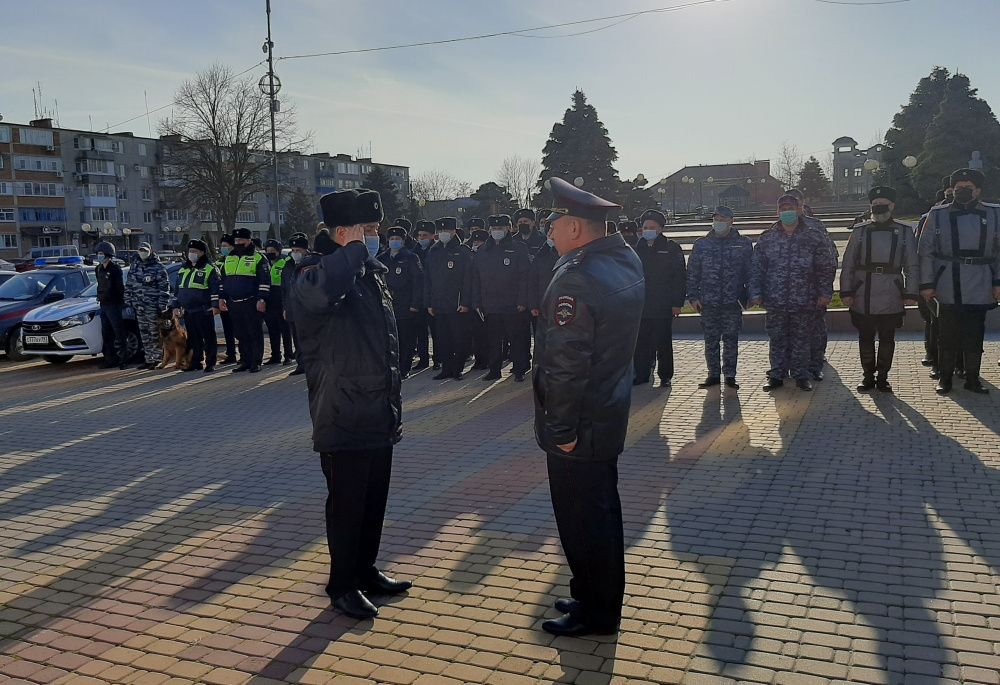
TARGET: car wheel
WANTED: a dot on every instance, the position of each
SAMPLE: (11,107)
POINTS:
(133,347)
(58,360)
(15,348)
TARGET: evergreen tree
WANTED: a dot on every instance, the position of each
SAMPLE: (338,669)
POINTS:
(909,129)
(492,199)
(964,124)
(378,179)
(579,147)
(300,217)
(813,181)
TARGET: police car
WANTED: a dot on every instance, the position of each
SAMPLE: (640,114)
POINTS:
(53,280)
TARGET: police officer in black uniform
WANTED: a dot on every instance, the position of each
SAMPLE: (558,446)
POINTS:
(246,282)
(449,286)
(502,265)
(666,285)
(541,273)
(480,337)
(424,323)
(526,233)
(298,253)
(589,323)
(348,335)
(406,283)
(630,232)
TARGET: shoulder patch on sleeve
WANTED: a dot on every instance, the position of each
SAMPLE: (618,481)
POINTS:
(565,310)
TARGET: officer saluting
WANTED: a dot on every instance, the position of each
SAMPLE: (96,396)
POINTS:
(959,250)
(880,265)
(348,333)
(587,331)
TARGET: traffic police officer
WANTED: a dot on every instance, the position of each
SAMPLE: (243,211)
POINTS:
(880,272)
(526,233)
(198,297)
(449,285)
(959,252)
(480,337)
(226,244)
(298,253)
(246,282)
(502,265)
(277,326)
(666,282)
(348,332)
(424,322)
(587,329)
(147,291)
(717,278)
(792,277)
(405,279)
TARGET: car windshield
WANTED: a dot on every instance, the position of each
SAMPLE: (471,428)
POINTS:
(25,286)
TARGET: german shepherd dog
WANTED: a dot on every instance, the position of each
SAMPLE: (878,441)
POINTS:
(174,340)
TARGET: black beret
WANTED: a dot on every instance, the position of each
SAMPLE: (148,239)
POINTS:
(336,208)
(367,208)
(273,243)
(653,215)
(396,232)
(404,222)
(628,226)
(197,245)
(426,225)
(499,220)
(476,222)
(323,243)
(446,223)
(299,240)
(973,175)
(882,192)
(226,238)
(242,234)
(524,214)
(480,235)
(570,200)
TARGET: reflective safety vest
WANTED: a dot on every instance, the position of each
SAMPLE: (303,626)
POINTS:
(246,265)
(195,278)
(276,269)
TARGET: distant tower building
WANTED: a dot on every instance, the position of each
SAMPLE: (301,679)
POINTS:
(851,180)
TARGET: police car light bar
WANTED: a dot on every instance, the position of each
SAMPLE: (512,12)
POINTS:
(64,261)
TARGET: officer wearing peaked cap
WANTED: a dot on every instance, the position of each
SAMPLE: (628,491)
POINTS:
(480,337)
(880,275)
(348,332)
(246,282)
(450,295)
(587,329)
(197,294)
(423,234)
(406,283)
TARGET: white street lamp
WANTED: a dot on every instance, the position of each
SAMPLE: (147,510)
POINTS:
(909,161)
(871,165)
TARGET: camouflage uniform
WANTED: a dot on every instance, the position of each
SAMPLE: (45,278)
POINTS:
(147,291)
(820,333)
(789,273)
(718,272)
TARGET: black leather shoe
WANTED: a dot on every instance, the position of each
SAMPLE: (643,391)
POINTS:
(935,373)
(817,375)
(272,361)
(773,384)
(458,376)
(804,384)
(297,371)
(518,377)
(866,384)
(381,584)
(977,388)
(122,367)
(665,383)
(209,369)
(240,368)
(288,362)
(441,376)
(491,377)
(355,605)
(566,606)
(480,367)
(709,382)
(572,627)
(229,359)
(883,385)
(255,368)
(437,367)
(927,361)
(731,383)
(943,386)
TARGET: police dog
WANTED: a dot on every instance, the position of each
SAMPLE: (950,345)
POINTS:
(174,340)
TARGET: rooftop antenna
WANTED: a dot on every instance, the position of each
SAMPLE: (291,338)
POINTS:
(91,118)
(34,100)
(57,114)
(149,127)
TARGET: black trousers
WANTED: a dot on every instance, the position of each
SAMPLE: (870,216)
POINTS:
(930,330)
(278,331)
(406,328)
(113,335)
(357,485)
(201,337)
(480,341)
(227,330)
(961,333)
(514,329)
(424,333)
(883,327)
(588,515)
(295,339)
(249,331)
(451,341)
(655,343)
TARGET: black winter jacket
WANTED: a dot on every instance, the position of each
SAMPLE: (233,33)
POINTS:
(541,275)
(110,284)
(587,330)
(350,350)
(502,269)
(449,277)
(405,279)
(666,279)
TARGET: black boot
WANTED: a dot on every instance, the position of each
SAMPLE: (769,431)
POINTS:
(944,384)
(866,349)
(355,605)
(973,364)
(946,371)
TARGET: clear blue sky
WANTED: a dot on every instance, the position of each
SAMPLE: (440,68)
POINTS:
(709,84)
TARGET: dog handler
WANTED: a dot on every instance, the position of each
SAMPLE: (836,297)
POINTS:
(198,299)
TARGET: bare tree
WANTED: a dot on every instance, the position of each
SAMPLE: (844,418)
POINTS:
(519,176)
(438,185)
(213,147)
(789,164)
(827,165)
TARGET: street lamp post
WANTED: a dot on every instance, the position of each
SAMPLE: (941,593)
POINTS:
(661,192)
(272,88)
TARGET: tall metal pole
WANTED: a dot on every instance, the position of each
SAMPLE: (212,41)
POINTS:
(274,142)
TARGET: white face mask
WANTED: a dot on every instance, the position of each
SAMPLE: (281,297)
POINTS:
(143,254)
(650,234)
(444,236)
(297,256)
(720,227)
(193,257)
(498,235)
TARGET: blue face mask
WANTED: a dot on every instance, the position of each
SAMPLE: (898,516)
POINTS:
(372,243)
(650,234)
(101,256)
(425,242)
(789,218)
(224,251)
(395,243)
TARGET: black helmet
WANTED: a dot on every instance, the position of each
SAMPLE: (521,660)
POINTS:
(105,247)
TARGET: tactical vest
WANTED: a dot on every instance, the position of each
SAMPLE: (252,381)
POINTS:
(276,269)
(195,278)
(241,265)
